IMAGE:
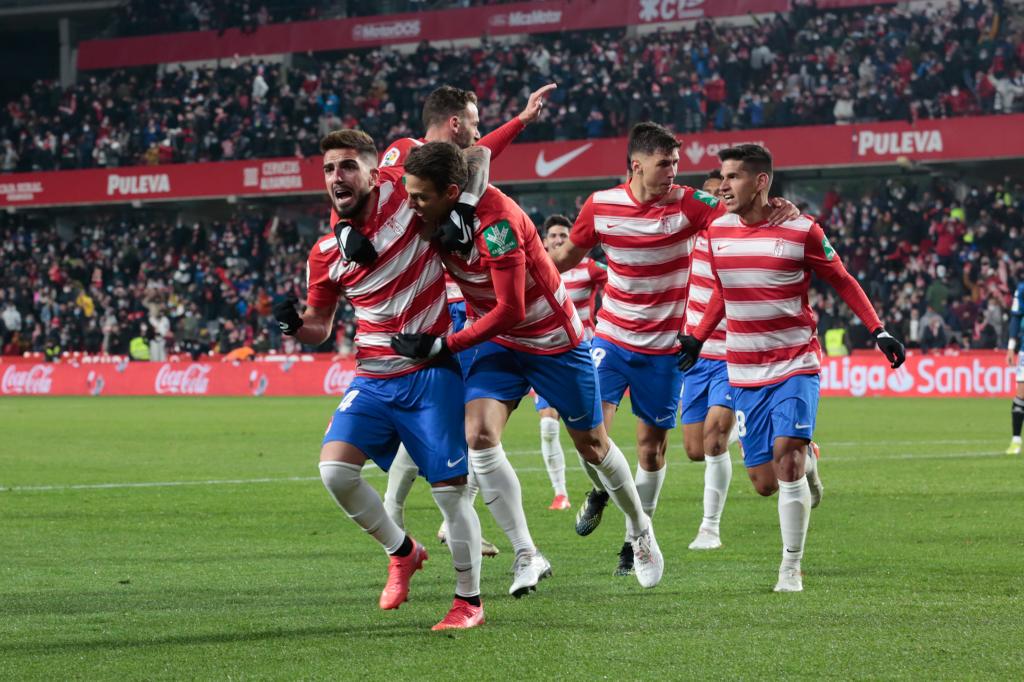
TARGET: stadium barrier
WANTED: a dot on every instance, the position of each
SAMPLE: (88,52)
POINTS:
(866,144)
(974,374)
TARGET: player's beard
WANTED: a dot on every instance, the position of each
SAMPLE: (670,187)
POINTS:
(354,209)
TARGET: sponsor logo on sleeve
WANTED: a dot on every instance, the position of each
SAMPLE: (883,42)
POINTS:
(500,239)
(830,253)
(705,198)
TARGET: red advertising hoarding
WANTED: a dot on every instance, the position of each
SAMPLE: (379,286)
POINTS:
(392,29)
(957,139)
(968,375)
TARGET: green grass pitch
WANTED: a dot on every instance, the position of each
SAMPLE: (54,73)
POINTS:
(191,539)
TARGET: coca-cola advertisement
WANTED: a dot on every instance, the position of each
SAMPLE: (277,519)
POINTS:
(310,378)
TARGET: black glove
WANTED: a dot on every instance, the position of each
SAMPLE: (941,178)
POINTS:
(456,233)
(891,347)
(418,345)
(287,315)
(690,351)
(354,245)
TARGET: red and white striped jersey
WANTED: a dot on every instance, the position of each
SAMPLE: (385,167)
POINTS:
(648,248)
(702,284)
(402,291)
(582,283)
(398,152)
(506,238)
(764,272)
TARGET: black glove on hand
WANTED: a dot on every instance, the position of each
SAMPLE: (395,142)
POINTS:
(456,233)
(690,351)
(287,315)
(354,245)
(891,347)
(418,345)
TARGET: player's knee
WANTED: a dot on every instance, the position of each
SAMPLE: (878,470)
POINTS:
(480,435)
(651,456)
(765,488)
(592,445)
(694,452)
(340,477)
(486,460)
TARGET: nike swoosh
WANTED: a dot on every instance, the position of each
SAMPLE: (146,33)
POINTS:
(545,168)
(451,463)
(661,419)
(575,419)
(801,426)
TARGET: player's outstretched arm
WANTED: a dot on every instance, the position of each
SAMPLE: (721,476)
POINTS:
(535,104)
(822,258)
(582,238)
(498,140)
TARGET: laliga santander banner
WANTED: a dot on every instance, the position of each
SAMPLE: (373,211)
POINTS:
(179,378)
(393,29)
(972,374)
(978,374)
(956,139)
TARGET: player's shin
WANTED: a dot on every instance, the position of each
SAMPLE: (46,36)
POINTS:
(616,479)
(463,537)
(554,456)
(361,502)
(502,494)
(717,476)
(591,473)
(401,476)
(648,487)
(794,515)
(1017,417)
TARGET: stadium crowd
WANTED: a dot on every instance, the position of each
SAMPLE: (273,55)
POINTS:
(808,67)
(939,263)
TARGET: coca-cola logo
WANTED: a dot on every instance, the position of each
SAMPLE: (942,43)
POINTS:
(36,379)
(189,381)
(337,379)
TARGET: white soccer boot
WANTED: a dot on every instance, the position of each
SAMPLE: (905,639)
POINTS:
(790,580)
(528,569)
(706,539)
(648,563)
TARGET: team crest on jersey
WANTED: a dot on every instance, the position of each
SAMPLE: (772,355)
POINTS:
(830,253)
(705,198)
(779,246)
(500,239)
(391,158)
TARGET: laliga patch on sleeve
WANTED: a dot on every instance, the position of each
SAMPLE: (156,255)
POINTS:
(390,158)
(704,197)
(500,239)
(830,253)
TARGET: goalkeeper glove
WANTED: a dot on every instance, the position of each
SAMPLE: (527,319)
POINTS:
(287,315)
(419,346)
(689,352)
(891,347)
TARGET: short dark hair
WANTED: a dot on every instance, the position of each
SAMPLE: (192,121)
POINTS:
(440,162)
(714,174)
(650,138)
(553,220)
(445,102)
(351,139)
(755,158)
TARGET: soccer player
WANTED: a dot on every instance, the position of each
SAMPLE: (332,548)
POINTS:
(1016,338)
(395,286)
(524,331)
(450,115)
(762,270)
(645,226)
(583,283)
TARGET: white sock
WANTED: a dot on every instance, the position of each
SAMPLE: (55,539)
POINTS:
(648,487)
(811,467)
(614,473)
(502,494)
(463,536)
(591,473)
(717,476)
(1015,439)
(473,487)
(361,502)
(554,456)
(401,476)
(794,515)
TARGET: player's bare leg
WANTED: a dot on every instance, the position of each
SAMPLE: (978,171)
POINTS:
(485,422)
(790,463)
(714,444)
(651,444)
(341,467)
(588,518)
(554,456)
(598,450)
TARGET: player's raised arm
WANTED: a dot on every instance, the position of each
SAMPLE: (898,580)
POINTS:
(582,238)
(456,233)
(825,262)
(498,140)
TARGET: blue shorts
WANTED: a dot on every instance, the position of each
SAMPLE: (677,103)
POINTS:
(705,385)
(421,410)
(786,409)
(567,381)
(653,380)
